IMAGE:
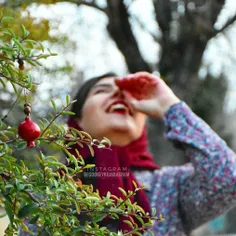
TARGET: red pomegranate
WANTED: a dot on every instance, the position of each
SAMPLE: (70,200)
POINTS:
(29,131)
(138,84)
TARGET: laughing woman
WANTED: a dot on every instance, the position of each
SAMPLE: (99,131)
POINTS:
(187,196)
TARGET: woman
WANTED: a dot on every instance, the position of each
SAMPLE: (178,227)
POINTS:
(187,196)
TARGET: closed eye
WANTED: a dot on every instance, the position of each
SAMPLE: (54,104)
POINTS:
(102,88)
(97,91)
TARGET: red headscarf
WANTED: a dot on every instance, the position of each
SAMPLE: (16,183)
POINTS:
(118,163)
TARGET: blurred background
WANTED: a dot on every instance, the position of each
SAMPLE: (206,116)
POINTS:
(189,43)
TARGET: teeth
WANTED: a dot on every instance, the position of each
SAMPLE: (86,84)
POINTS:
(118,106)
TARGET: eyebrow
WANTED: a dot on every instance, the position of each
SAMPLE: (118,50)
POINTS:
(102,85)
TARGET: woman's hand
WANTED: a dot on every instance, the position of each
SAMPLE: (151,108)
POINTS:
(147,93)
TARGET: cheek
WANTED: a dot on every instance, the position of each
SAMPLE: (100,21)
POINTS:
(88,109)
(140,121)
(91,115)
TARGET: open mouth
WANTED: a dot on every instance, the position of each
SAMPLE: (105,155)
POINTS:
(119,107)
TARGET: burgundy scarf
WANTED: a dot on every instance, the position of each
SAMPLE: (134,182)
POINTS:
(113,167)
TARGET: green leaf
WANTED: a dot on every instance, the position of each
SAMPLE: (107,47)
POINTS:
(128,223)
(138,233)
(99,217)
(6,18)
(89,166)
(106,141)
(41,47)
(3,83)
(92,198)
(29,80)
(38,63)
(30,62)
(30,42)
(73,159)
(91,150)
(68,113)
(54,105)
(67,100)
(34,219)
(123,191)
(26,210)
(150,233)
(139,219)
(154,211)
(19,45)
(116,210)
(23,30)
(9,209)
(14,87)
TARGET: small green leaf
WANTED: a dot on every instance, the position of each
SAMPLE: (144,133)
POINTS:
(9,210)
(128,223)
(91,150)
(67,100)
(14,87)
(34,219)
(150,233)
(23,30)
(138,233)
(30,42)
(123,191)
(99,217)
(30,62)
(54,105)
(68,113)
(3,83)
(19,45)
(6,18)
(41,47)
(29,80)
(27,209)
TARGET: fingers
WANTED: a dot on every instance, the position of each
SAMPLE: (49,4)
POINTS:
(148,107)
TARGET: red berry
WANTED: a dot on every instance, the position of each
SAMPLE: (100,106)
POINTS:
(29,131)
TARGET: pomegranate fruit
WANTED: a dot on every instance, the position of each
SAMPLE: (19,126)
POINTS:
(138,85)
(29,131)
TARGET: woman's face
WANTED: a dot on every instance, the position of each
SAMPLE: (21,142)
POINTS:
(107,113)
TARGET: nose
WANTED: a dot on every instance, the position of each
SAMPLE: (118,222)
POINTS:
(118,93)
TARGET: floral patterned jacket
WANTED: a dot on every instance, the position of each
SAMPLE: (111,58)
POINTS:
(190,195)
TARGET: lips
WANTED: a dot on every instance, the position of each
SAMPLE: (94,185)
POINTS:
(119,106)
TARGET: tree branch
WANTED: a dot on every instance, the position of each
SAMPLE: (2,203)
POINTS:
(163,14)
(12,106)
(143,27)
(227,24)
(89,4)
(120,30)
(77,2)
(13,81)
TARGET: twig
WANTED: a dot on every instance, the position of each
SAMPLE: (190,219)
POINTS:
(11,108)
(143,27)
(54,118)
(89,4)
(31,196)
(227,24)
(13,81)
